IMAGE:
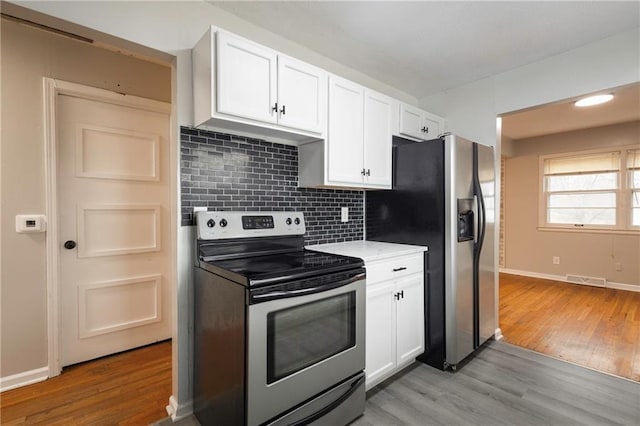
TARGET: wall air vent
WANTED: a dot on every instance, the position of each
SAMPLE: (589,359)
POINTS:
(592,281)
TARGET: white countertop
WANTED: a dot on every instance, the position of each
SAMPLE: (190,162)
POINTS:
(369,251)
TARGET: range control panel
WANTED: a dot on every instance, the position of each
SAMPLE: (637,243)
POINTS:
(220,225)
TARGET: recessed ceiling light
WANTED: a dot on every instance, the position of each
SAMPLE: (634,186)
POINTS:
(593,100)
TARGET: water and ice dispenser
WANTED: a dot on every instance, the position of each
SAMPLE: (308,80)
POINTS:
(466,219)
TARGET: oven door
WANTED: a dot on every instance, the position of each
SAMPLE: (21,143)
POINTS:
(304,337)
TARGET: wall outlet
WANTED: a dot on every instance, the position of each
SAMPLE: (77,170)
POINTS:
(556,260)
(199,209)
(618,266)
(344,213)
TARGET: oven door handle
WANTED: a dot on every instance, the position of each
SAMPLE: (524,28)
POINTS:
(284,294)
(315,416)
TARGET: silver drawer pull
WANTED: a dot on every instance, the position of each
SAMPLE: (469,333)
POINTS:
(399,269)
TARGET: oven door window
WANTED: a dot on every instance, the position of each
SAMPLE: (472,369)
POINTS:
(306,334)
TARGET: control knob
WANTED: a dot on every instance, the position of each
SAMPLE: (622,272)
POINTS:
(297,221)
(211,223)
(223,223)
(288,221)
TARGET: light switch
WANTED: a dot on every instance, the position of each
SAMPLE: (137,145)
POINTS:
(345,214)
(31,223)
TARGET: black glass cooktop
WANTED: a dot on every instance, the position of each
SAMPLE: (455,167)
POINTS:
(257,270)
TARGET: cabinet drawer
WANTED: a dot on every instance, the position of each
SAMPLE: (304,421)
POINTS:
(395,268)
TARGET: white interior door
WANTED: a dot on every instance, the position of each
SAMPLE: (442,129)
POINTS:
(113,193)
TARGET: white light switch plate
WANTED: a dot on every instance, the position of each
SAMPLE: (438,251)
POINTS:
(344,214)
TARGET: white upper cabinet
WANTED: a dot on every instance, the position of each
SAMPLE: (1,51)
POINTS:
(246,79)
(378,118)
(357,151)
(302,95)
(345,134)
(243,87)
(343,130)
(418,124)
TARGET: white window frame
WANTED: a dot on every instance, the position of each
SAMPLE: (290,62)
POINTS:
(630,190)
(623,196)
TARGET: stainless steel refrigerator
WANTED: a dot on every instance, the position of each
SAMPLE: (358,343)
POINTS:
(443,197)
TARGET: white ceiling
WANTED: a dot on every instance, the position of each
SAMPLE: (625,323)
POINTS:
(565,116)
(425,47)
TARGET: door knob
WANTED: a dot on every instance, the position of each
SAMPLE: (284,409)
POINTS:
(70,244)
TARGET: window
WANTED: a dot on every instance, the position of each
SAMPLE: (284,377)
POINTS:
(595,190)
(633,170)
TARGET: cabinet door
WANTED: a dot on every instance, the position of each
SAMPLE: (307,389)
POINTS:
(411,121)
(380,332)
(302,95)
(345,135)
(410,317)
(246,79)
(430,126)
(377,139)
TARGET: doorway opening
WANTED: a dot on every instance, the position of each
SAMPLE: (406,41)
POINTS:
(569,242)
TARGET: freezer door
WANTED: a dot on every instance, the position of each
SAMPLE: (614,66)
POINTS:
(459,262)
(487,278)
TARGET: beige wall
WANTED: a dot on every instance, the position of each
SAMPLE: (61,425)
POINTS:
(531,250)
(28,55)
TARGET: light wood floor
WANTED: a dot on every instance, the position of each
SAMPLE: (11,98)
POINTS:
(591,326)
(130,388)
(501,385)
(504,385)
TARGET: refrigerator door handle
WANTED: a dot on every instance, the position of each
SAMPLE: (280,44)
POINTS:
(478,198)
(482,220)
(476,219)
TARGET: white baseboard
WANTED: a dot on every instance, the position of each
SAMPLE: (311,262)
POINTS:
(623,286)
(179,411)
(498,334)
(23,379)
(563,278)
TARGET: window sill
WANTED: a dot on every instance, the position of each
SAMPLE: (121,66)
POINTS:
(589,230)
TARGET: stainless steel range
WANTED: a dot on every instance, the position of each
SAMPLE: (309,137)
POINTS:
(279,330)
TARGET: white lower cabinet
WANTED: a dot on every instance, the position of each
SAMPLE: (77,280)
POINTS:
(395,317)
(410,319)
(380,332)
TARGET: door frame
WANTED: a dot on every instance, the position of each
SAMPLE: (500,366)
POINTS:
(53,88)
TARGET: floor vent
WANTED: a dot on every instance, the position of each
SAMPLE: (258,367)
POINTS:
(593,281)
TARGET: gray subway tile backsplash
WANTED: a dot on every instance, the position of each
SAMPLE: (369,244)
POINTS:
(228,172)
